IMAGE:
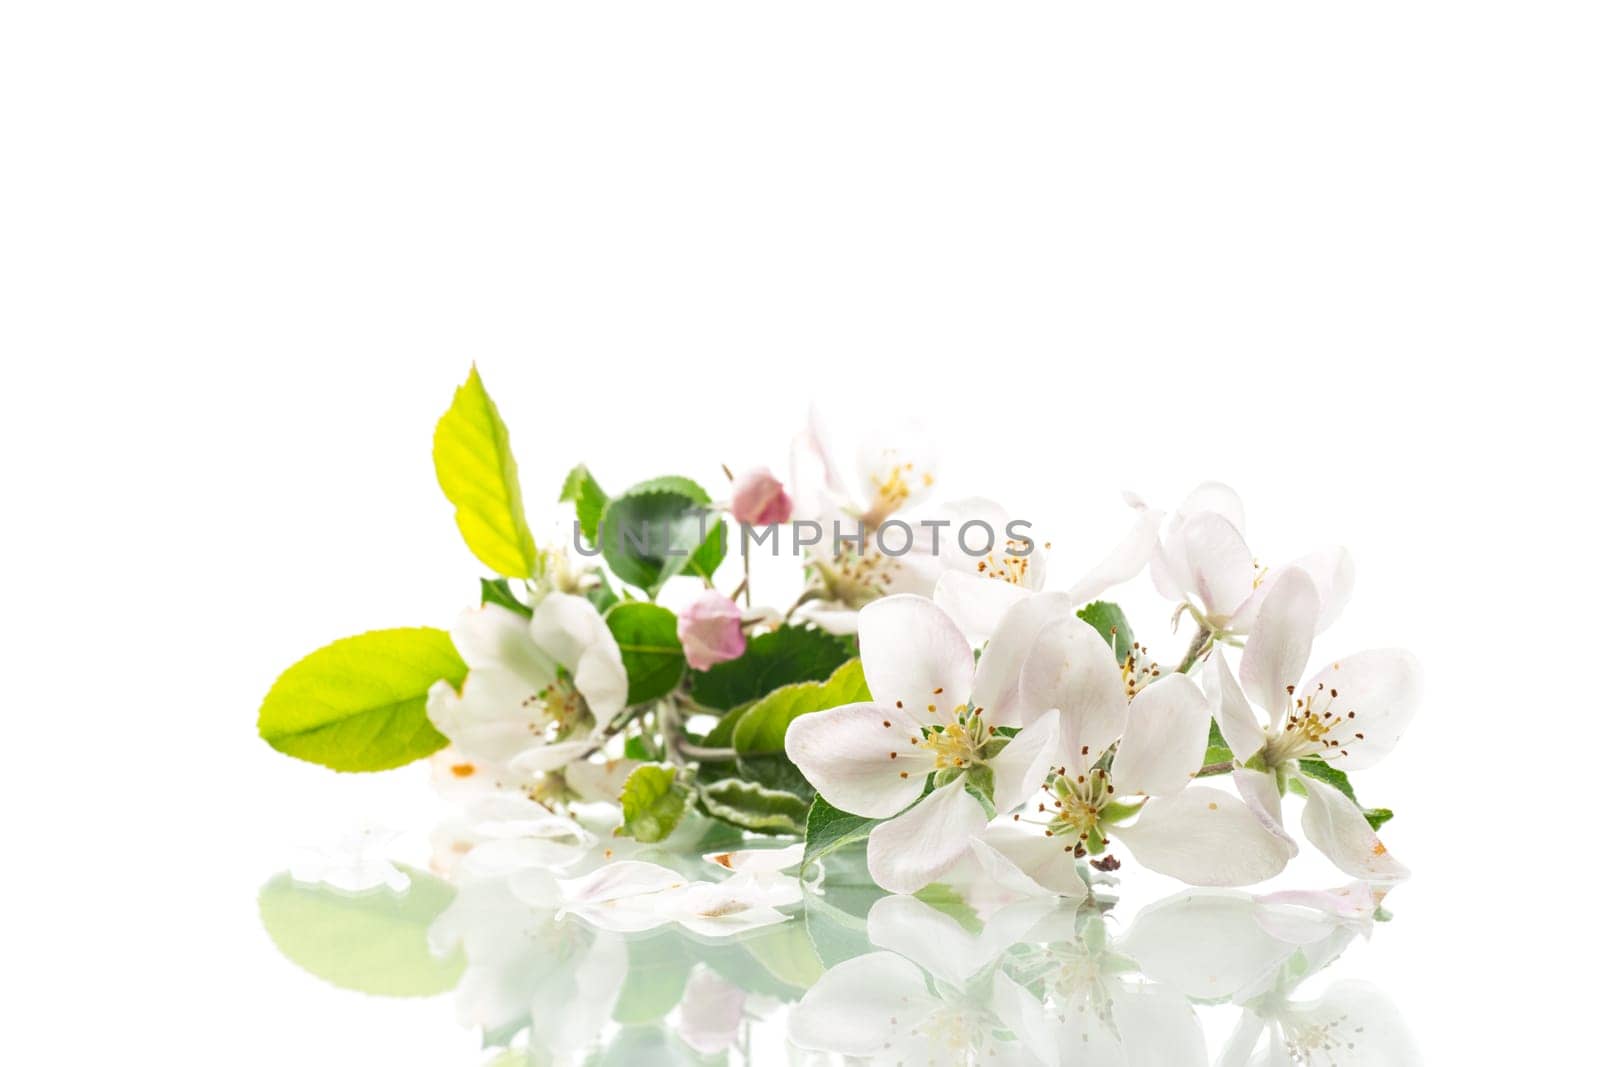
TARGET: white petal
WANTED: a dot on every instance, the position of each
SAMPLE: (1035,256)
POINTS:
(493,636)
(976,603)
(1073,670)
(939,944)
(1215,497)
(1165,742)
(1206,944)
(619,881)
(1235,718)
(1125,561)
(857,763)
(1020,768)
(861,1005)
(1204,836)
(995,688)
(1384,689)
(1372,1031)
(1157,1026)
(1259,791)
(913,849)
(913,653)
(758,861)
(1028,862)
(542,758)
(1334,824)
(602,679)
(491,718)
(567,626)
(1220,565)
(1332,571)
(1275,655)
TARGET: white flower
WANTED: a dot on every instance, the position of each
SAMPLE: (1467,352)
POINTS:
(931,713)
(357,862)
(880,1007)
(976,590)
(1350,714)
(1115,752)
(1352,1024)
(538,694)
(1202,560)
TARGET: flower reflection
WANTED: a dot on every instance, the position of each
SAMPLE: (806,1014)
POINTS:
(561,950)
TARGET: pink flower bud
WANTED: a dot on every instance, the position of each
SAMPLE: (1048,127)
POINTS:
(709,630)
(759,499)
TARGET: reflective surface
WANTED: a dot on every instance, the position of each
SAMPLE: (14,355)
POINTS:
(563,946)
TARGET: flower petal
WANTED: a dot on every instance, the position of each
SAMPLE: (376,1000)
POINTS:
(1235,718)
(913,849)
(1073,670)
(914,654)
(493,636)
(566,626)
(1165,742)
(1383,688)
(1028,863)
(490,719)
(1206,944)
(1332,571)
(1021,766)
(1204,836)
(1126,560)
(858,763)
(862,1005)
(1275,656)
(1221,568)
(996,686)
(977,604)
(602,679)
(1334,824)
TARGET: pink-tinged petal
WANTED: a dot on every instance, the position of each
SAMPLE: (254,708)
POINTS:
(759,499)
(1259,791)
(711,630)
(1020,768)
(1332,571)
(1383,688)
(1235,718)
(1275,655)
(862,1005)
(1220,565)
(913,849)
(1073,670)
(1169,722)
(914,655)
(1214,497)
(1124,562)
(1028,862)
(996,686)
(1334,824)
(977,604)
(858,763)
(1204,836)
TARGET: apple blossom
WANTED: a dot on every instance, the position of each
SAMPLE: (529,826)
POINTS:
(931,714)
(710,630)
(759,499)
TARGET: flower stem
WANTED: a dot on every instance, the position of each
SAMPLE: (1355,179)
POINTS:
(1201,644)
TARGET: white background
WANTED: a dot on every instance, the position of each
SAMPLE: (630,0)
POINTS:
(1342,259)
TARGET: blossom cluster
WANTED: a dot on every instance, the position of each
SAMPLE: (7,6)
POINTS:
(945,707)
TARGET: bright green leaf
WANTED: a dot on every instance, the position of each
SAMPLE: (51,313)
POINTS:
(754,807)
(652,803)
(782,657)
(651,654)
(373,942)
(829,829)
(761,729)
(472,458)
(588,498)
(498,591)
(360,704)
(1112,624)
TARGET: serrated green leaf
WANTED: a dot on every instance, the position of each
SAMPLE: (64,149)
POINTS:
(650,536)
(1316,768)
(754,807)
(498,591)
(652,803)
(647,634)
(374,942)
(360,704)
(587,497)
(762,728)
(782,657)
(828,829)
(672,483)
(473,461)
(1108,619)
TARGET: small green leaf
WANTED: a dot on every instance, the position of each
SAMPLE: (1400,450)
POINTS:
(754,807)
(762,728)
(498,591)
(472,458)
(1112,624)
(652,803)
(360,704)
(1313,767)
(1217,752)
(650,536)
(588,498)
(782,657)
(829,829)
(651,654)
(374,942)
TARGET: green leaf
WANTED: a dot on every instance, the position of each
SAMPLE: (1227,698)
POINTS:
(652,803)
(601,595)
(373,942)
(651,654)
(1112,625)
(360,704)
(829,829)
(761,729)
(658,970)
(589,499)
(498,591)
(650,536)
(472,458)
(1217,751)
(754,807)
(1313,767)
(782,657)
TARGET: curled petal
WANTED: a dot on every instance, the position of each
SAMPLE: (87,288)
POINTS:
(1021,766)
(1221,570)
(1334,824)
(1235,718)
(996,686)
(1275,656)
(1073,670)
(1029,863)
(1168,724)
